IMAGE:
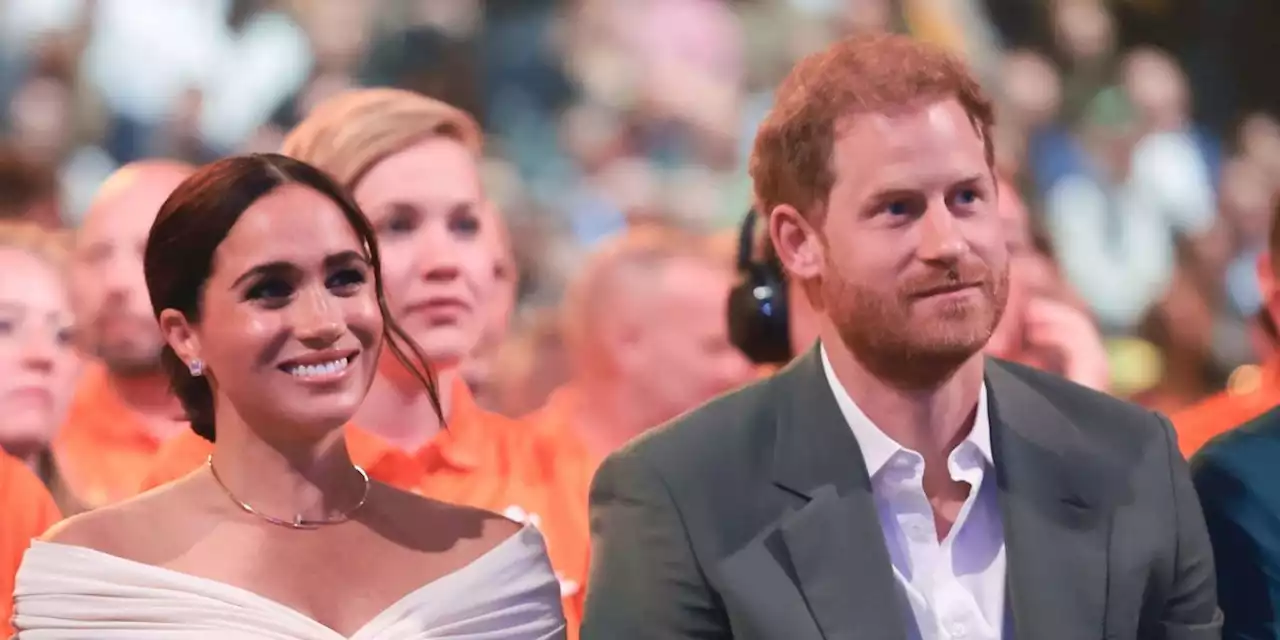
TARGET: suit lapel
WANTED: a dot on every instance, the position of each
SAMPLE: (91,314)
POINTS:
(1052,490)
(834,542)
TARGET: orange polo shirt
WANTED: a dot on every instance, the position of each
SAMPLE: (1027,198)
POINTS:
(26,511)
(104,447)
(1244,400)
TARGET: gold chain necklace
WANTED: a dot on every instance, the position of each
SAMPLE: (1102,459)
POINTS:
(298,522)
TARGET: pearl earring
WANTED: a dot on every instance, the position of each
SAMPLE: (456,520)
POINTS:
(196,367)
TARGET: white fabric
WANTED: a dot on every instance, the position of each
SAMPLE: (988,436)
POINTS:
(71,593)
(955,587)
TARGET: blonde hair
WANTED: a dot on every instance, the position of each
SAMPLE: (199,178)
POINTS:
(349,133)
(52,247)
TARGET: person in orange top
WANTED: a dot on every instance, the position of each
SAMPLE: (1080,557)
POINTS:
(39,365)
(122,410)
(646,339)
(1248,397)
(28,510)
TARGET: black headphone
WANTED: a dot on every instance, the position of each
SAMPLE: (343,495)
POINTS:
(759,323)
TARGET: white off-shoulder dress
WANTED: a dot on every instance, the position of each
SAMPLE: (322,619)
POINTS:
(67,592)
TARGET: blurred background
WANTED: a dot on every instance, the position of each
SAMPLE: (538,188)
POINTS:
(1140,133)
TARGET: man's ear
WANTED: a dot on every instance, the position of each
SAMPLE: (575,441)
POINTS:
(181,336)
(797,242)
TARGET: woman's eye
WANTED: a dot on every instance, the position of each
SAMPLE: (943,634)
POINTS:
(270,290)
(403,219)
(464,224)
(345,279)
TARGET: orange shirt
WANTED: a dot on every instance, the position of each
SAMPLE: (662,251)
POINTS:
(560,466)
(104,447)
(26,511)
(1244,400)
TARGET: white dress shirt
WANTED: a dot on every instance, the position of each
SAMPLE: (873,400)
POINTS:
(956,587)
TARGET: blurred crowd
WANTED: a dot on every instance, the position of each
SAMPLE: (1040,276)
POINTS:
(1134,131)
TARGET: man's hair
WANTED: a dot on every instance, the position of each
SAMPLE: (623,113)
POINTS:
(791,160)
(349,133)
(633,257)
(23,184)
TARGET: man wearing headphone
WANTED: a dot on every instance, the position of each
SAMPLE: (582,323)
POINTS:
(768,321)
(771,322)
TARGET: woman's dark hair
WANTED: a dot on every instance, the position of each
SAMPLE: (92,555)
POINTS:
(197,217)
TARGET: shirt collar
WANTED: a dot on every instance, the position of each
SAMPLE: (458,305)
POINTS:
(461,444)
(878,448)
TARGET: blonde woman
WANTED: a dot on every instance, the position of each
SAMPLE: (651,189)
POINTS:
(38,361)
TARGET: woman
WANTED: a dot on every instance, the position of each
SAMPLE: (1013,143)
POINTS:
(266,282)
(411,163)
(38,362)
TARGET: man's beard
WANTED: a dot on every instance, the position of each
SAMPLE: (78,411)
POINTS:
(908,347)
(132,362)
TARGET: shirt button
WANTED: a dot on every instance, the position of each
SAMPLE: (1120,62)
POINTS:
(918,531)
(958,630)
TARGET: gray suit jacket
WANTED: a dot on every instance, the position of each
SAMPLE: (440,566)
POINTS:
(752,518)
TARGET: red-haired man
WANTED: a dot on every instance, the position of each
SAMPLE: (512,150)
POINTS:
(893,482)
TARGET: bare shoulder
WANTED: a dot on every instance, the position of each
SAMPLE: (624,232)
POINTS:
(436,527)
(126,529)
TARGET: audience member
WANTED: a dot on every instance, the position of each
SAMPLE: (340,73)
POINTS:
(123,410)
(38,360)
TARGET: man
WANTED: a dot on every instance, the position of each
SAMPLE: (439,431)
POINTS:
(1234,474)
(122,411)
(890,483)
(643,326)
(1042,327)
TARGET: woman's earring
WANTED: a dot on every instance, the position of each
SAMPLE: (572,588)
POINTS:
(196,367)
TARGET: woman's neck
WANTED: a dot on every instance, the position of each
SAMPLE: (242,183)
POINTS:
(286,477)
(398,410)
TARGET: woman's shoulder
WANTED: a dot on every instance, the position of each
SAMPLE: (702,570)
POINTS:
(123,529)
(425,525)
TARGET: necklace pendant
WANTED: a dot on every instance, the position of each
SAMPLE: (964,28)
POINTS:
(297,521)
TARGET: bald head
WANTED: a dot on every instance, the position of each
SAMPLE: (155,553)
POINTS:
(107,285)
(648,315)
(621,276)
(132,196)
